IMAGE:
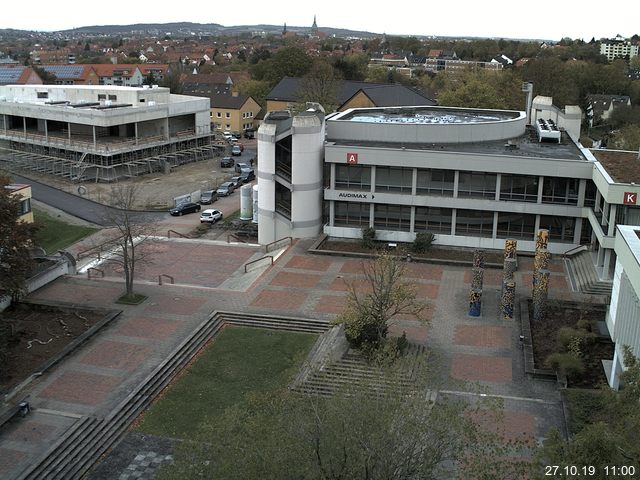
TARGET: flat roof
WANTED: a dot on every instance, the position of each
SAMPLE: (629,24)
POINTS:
(526,145)
(426,115)
(86,87)
(622,166)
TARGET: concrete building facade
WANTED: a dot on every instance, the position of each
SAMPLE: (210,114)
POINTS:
(623,317)
(290,175)
(471,177)
(100,132)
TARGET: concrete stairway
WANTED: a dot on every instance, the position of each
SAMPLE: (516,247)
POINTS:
(583,275)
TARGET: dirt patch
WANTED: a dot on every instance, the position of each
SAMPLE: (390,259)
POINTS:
(38,333)
(156,191)
(450,253)
(567,314)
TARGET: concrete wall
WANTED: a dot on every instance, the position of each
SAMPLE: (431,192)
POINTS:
(401,133)
(266,183)
(306,175)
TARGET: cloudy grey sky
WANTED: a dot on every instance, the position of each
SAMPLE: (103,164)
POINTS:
(482,18)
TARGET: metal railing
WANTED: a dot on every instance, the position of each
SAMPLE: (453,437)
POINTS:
(177,233)
(571,251)
(93,269)
(253,262)
(268,247)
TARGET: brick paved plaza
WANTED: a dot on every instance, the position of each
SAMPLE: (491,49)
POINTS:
(483,351)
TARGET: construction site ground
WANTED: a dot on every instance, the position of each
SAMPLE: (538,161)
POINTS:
(155,191)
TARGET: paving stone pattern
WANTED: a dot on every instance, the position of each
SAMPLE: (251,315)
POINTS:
(97,377)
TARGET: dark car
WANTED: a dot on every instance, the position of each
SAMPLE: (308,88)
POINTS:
(237,181)
(184,208)
(208,197)
(249,133)
(226,162)
(247,176)
(236,151)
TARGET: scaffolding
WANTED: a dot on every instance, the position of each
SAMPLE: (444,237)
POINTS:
(82,166)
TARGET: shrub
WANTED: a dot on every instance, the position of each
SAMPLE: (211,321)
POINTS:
(565,363)
(423,242)
(574,340)
(368,237)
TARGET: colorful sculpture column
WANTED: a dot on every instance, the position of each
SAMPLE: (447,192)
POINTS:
(508,299)
(540,295)
(508,282)
(477,278)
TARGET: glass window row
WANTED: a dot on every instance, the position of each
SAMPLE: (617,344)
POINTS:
(475,223)
(520,188)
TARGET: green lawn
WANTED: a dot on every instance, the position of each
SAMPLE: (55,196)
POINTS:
(238,362)
(54,234)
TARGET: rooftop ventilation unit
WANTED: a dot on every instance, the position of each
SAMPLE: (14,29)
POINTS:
(547,130)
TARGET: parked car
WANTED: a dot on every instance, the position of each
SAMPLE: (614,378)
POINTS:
(208,197)
(210,216)
(236,151)
(240,166)
(225,189)
(236,135)
(249,133)
(247,176)
(226,162)
(237,181)
(184,208)
(241,145)
(227,135)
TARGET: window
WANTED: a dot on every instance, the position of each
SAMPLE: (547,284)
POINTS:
(228,126)
(561,229)
(392,217)
(560,190)
(25,206)
(354,214)
(477,223)
(218,114)
(113,97)
(433,219)
(516,225)
(102,96)
(435,182)
(477,185)
(43,94)
(227,115)
(353,177)
(394,179)
(522,188)
(590,194)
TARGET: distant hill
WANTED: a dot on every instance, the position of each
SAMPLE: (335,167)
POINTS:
(182,28)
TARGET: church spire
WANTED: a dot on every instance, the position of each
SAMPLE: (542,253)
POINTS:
(314,27)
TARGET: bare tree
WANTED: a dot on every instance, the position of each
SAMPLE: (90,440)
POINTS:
(129,236)
(383,296)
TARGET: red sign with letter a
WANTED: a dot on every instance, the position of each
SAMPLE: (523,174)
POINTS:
(630,198)
(352,158)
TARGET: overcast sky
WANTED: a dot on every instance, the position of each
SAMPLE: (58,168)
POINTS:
(482,18)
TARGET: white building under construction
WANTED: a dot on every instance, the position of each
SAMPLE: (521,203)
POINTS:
(101,133)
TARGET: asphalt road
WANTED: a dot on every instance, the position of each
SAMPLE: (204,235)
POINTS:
(82,207)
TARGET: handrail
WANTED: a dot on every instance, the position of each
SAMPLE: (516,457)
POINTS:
(575,250)
(82,253)
(95,269)
(235,237)
(267,246)
(255,261)
(177,233)
(165,275)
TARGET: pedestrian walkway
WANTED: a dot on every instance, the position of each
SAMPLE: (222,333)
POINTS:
(97,377)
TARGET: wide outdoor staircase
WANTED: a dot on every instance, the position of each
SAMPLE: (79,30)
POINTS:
(73,455)
(583,275)
(343,370)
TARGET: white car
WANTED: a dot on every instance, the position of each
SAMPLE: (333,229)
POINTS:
(227,135)
(210,216)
